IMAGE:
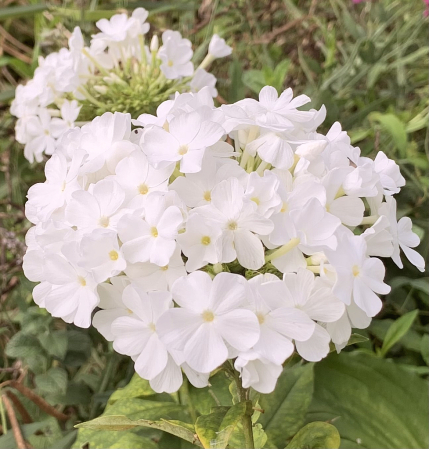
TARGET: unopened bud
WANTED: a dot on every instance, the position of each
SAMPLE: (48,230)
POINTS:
(101,89)
(154,43)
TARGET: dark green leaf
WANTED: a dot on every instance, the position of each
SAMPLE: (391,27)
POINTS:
(21,11)
(286,407)
(397,330)
(363,394)
(354,338)
(55,343)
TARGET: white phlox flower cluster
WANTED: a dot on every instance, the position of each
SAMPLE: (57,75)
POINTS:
(79,83)
(210,234)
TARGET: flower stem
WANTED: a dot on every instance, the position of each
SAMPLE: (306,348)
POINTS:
(243,394)
(282,250)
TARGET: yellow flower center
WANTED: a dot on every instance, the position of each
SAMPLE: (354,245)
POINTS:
(82,281)
(113,255)
(164,268)
(143,189)
(206,240)
(152,327)
(208,316)
(104,222)
(284,208)
(232,225)
(183,150)
(207,195)
(154,232)
(170,63)
(355,270)
(261,317)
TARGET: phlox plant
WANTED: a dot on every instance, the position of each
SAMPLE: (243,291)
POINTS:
(209,238)
(119,71)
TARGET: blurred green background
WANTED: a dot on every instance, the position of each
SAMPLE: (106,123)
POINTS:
(367,62)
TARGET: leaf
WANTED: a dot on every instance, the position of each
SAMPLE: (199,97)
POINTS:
(53,381)
(55,343)
(421,284)
(140,408)
(286,407)
(394,126)
(316,435)
(207,426)
(424,348)
(8,441)
(363,394)
(254,80)
(397,330)
(136,388)
(21,11)
(354,338)
(231,419)
(120,422)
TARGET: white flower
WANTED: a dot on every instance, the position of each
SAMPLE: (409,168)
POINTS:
(98,208)
(358,276)
(175,54)
(257,372)
(318,302)
(138,178)
(390,175)
(111,304)
(262,190)
(43,135)
(101,254)
(239,222)
(188,137)
(152,238)
(202,79)
(201,243)
(218,47)
(69,113)
(149,276)
(279,320)
(211,314)
(403,236)
(73,295)
(137,335)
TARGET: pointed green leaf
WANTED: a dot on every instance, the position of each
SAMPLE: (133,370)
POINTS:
(393,126)
(231,419)
(397,330)
(354,338)
(286,407)
(316,435)
(424,348)
(120,422)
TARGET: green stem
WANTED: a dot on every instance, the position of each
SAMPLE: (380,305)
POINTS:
(243,394)
(291,244)
(185,399)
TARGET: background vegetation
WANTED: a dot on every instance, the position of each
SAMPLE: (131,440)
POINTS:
(368,63)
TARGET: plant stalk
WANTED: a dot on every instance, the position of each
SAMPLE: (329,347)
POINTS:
(243,394)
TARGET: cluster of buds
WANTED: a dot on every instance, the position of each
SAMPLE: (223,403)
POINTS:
(117,72)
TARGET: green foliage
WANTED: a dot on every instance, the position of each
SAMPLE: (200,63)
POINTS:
(316,435)
(286,407)
(361,395)
(397,330)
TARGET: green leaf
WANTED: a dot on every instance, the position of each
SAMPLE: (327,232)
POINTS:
(286,407)
(136,388)
(207,426)
(8,441)
(21,11)
(229,423)
(254,80)
(316,435)
(53,381)
(140,408)
(397,330)
(394,126)
(363,394)
(120,423)
(55,343)
(424,348)
(354,338)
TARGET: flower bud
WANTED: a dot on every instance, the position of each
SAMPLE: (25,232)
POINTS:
(154,43)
